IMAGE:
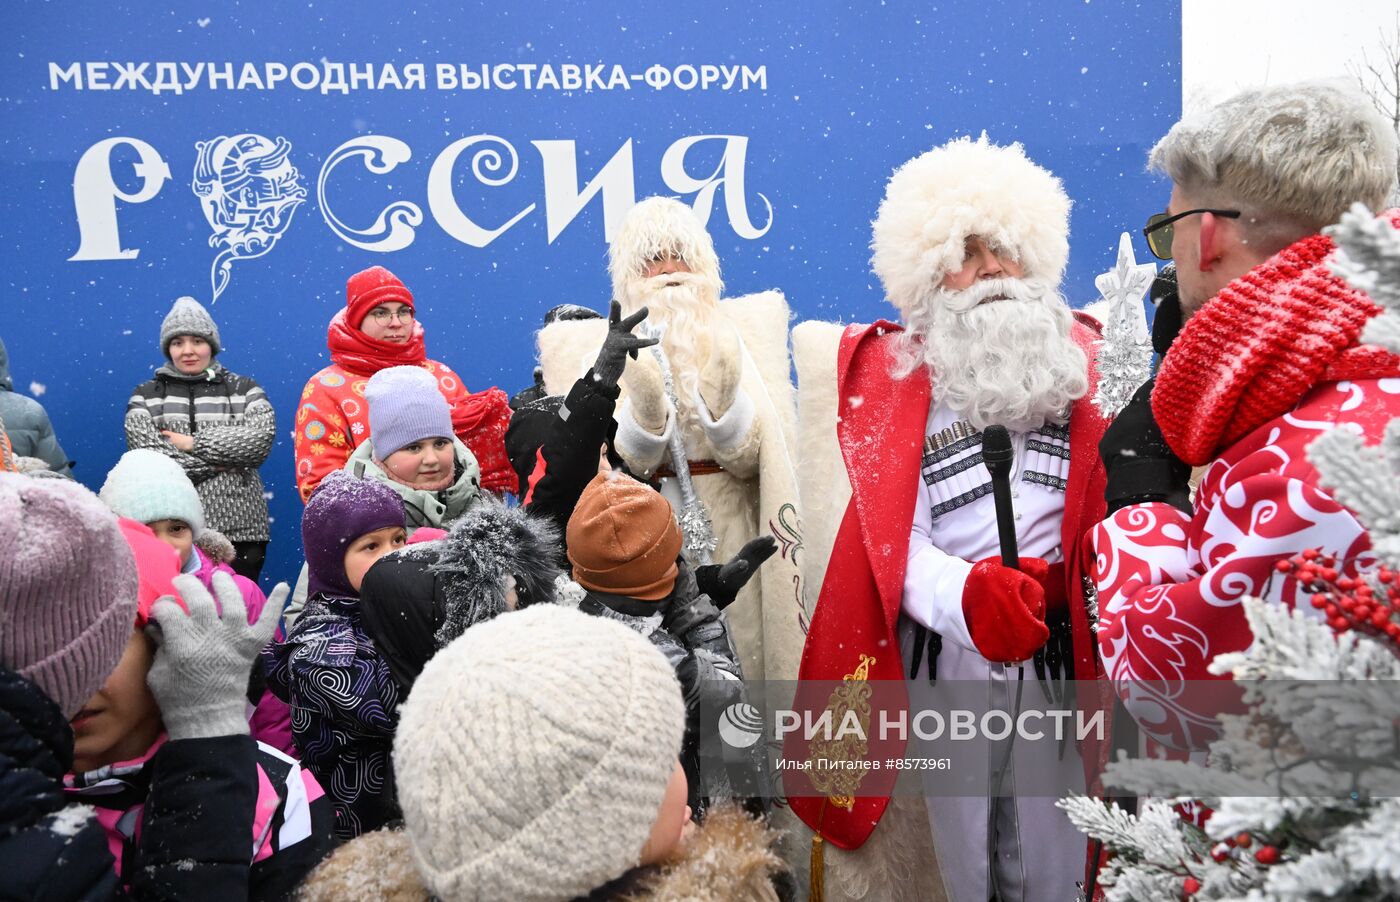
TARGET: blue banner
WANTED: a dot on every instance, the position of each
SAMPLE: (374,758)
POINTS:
(260,154)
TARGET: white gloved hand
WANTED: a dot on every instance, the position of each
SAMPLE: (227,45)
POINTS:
(203,659)
(719,377)
(646,389)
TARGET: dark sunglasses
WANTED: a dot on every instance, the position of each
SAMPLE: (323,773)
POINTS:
(1158,231)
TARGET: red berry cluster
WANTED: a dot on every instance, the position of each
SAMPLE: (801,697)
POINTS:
(1349,603)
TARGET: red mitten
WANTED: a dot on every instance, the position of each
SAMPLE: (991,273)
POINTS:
(480,421)
(1005,609)
(1056,589)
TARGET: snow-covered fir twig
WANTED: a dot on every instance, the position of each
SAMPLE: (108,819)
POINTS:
(1125,353)
(1368,258)
(1282,826)
(1365,480)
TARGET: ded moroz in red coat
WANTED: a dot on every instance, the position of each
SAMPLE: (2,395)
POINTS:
(1265,367)
(881,427)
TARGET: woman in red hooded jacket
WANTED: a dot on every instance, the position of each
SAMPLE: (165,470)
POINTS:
(377,329)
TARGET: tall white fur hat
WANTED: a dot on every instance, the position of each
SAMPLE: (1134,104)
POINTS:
(936,201)
(655,226)
(533,754)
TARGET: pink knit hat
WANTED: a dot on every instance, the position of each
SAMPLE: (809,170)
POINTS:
(67,587)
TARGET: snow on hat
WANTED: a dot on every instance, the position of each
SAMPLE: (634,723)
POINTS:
(369,288)
(188,317)
(67,587)
(936,201)
(341,510)
(147,486)
(656,226)
(622,539)
(405,406)
(533,754)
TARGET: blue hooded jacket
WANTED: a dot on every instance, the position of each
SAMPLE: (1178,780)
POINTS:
(27,423)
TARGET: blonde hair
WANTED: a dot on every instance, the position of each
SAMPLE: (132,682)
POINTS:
(1292,158)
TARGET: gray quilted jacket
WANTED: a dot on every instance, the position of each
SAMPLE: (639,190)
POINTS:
(234,426)
(27,423)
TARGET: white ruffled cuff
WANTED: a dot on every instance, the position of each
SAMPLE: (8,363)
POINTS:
(729,431)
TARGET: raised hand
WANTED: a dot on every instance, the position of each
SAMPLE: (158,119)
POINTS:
(203,658)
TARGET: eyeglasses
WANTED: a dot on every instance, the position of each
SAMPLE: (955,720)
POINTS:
(383,317)
(1158,231)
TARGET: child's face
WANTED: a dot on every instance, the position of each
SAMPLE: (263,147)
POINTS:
(121,721)
(672,820)
(177,534)
(425,465)
(368,548)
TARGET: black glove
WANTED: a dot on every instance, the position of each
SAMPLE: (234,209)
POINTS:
(1139,464)
(723,582)
(607,369)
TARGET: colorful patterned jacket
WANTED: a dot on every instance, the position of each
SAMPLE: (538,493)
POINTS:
(333,419)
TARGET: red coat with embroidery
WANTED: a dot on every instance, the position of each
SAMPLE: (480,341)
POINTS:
(1264,368)
(881,438)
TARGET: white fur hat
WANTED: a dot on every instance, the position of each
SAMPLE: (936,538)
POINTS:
(660,225)
(936,201)
(533,754)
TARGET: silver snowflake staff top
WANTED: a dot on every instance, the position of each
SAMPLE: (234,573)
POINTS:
(694,520)
(1368,258)
(1125,353)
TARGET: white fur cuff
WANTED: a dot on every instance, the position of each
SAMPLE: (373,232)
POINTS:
(729,431)
(639,445)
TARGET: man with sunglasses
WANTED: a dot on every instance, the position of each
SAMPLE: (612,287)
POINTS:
(1269,357)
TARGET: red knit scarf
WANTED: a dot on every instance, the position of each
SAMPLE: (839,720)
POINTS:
(1253,351)
(358,353)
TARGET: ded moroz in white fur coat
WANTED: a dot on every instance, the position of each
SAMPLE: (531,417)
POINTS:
(755,495)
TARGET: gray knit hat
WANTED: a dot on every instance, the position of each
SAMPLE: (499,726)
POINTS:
(67,587)
(188,317)
(533,754)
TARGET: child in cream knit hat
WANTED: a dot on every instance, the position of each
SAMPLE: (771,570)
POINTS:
(536,759)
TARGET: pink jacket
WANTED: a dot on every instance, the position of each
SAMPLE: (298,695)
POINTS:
(270,720)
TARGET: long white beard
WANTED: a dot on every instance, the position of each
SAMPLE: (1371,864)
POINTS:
(1010,362)
(687,309)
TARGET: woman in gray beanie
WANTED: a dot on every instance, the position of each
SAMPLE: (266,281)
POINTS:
(216,424)
(536,760)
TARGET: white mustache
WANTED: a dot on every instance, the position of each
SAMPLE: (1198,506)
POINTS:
(972,296)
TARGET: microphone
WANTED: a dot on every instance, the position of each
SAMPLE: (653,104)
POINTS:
(997,455)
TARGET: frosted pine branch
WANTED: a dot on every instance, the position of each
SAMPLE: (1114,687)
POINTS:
(1364,479)
(1368,258)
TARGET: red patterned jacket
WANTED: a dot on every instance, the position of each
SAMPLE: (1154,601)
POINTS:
(1260,371)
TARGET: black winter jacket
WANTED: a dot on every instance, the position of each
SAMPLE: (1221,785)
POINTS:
(194,833)
(582,424)
(689,630)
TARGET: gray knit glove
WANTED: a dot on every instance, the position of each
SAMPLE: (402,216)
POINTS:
(200,674)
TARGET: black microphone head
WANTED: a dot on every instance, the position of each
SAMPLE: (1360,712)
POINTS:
(996,447)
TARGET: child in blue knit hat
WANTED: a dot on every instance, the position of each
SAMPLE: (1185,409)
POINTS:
(150,488)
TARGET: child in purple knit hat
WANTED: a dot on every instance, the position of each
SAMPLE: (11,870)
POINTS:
(343,697)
